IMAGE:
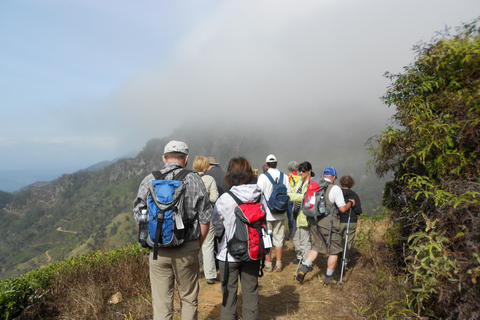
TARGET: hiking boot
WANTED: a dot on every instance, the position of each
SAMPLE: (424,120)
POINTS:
(278,268)
(328,280)
(297,261)
(268,269)
(212,281)
(301,273)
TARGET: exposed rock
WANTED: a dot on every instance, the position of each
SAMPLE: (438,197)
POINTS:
(116,298)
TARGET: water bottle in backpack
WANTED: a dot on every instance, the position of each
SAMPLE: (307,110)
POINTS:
(143,228)
(321,206)
(314,204)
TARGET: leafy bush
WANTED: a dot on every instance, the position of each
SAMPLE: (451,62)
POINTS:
(430,266)
(433,151)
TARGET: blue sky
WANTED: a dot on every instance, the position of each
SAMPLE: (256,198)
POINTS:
(60,61)
(83,81)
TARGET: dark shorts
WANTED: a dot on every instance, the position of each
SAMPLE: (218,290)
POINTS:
(320,231)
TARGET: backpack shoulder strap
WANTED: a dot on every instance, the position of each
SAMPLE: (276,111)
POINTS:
(269,176)
(293,177)
(226,273)
(182,174)
(330,211)
(158,175)
(238,201)
(327,191)
(280,180)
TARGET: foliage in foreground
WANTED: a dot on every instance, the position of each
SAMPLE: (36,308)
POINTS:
(37,288)
(434,155)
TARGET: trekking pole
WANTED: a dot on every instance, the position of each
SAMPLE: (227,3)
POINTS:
(303,255)
(346,243)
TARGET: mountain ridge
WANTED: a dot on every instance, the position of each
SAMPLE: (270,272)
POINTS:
(15,181)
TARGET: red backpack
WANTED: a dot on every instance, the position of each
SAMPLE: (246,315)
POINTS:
(248,241)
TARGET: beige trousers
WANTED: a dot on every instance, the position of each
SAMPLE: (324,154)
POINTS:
(178,264)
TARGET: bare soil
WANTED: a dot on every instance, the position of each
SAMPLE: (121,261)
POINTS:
(283,297)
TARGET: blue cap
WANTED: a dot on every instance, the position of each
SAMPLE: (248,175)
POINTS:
(330,171)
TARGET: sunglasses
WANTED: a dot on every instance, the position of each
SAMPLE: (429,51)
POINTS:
(303,171)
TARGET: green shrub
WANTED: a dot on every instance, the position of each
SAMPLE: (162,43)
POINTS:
(433,152)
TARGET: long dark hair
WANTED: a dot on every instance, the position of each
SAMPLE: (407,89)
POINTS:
(239,172)
(306,166)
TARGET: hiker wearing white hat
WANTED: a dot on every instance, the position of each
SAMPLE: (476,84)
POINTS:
(276,217)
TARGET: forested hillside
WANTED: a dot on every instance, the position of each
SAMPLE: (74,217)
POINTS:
(86,210)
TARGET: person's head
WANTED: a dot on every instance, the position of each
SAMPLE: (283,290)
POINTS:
(347,182)
(305,169)
(212,163)
(271,161)
(292,166)
(176,151)
(239,172)
(265,168)
(200,164)
(330,173)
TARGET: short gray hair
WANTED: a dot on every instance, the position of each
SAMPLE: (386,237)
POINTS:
(292,166)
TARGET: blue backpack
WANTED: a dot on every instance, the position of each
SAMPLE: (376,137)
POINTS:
(278,201)
(168,222)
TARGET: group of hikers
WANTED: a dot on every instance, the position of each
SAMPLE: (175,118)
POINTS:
(207,209)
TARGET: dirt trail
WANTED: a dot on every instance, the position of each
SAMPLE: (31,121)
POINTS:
(48,256)
(61,230)
(282,297)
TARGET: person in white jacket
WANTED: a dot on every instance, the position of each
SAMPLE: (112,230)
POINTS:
(240,177)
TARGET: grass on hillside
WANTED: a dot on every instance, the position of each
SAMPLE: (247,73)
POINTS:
(115,285)
(120,234)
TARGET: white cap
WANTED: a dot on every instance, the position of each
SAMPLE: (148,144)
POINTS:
(176,146)
(271,158)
